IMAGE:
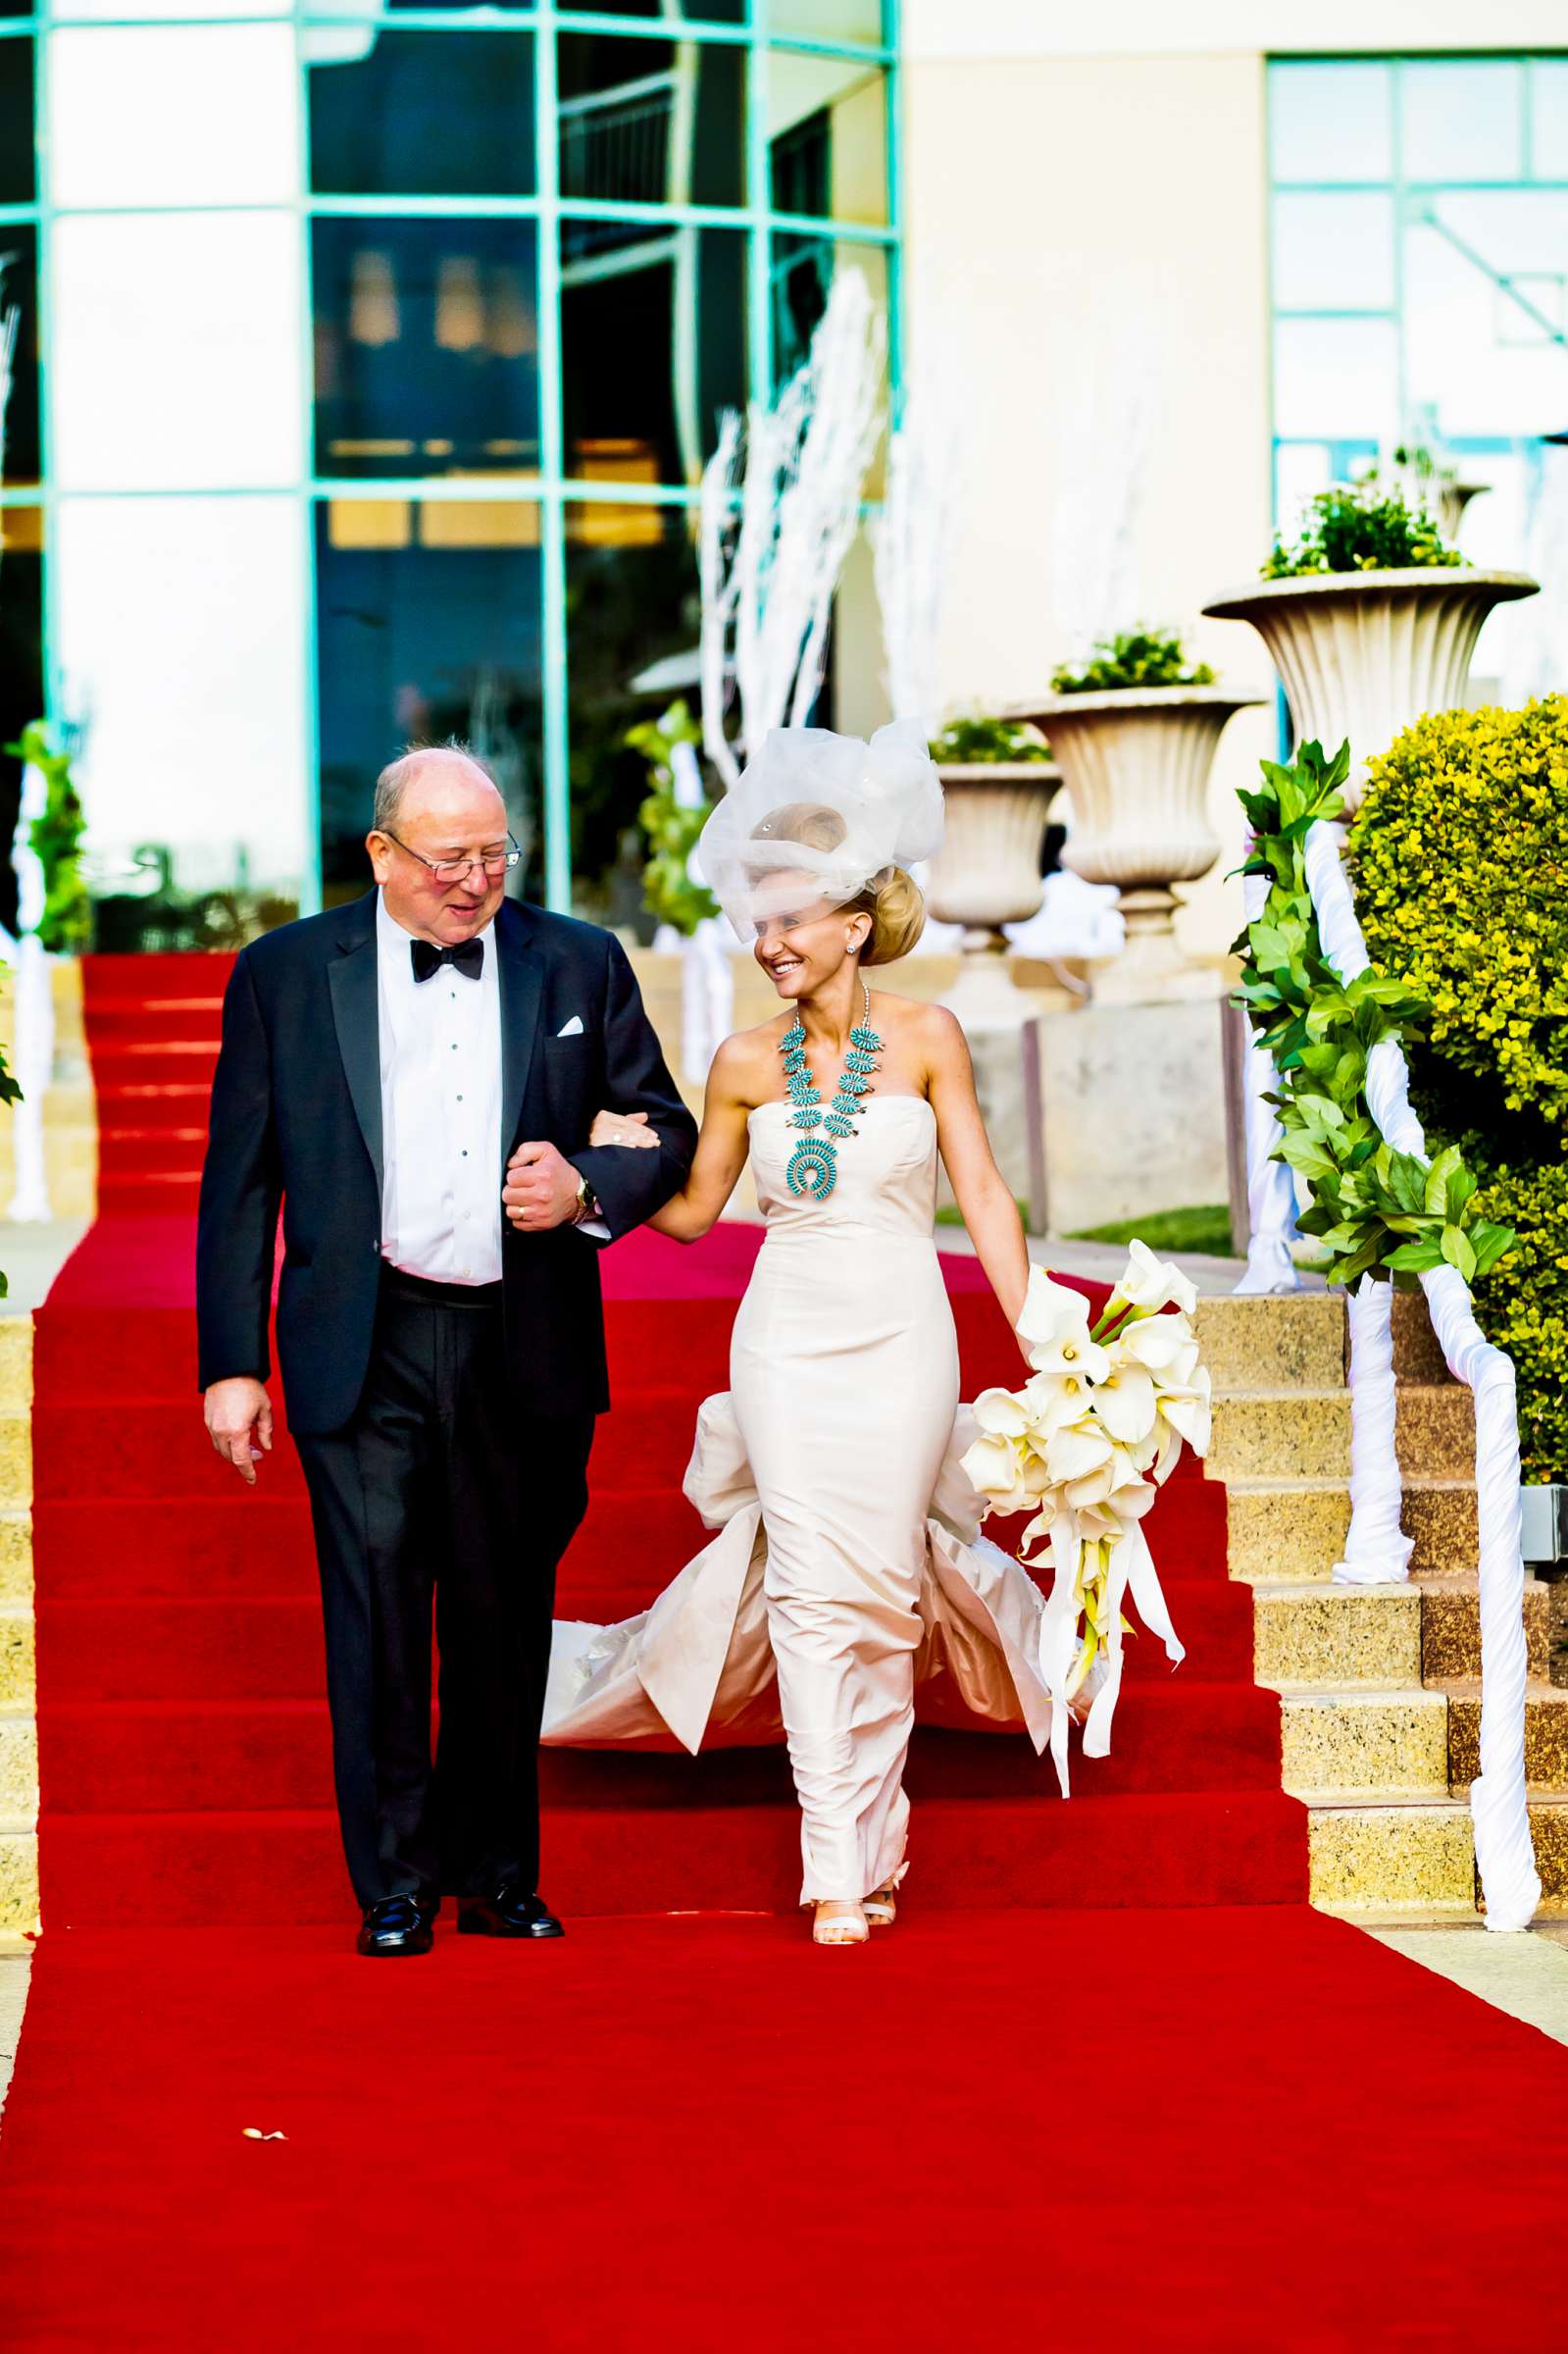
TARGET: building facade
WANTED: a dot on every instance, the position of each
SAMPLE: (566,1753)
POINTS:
(383,348)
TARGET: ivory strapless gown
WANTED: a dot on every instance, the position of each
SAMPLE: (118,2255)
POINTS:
(847,1569)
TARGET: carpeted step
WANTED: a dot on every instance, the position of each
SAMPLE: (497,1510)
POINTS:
(178,1104)
(154,1152)
(216,1749)
(243,1868)
(133,978)
(89,1350)
(132,1021)
(229,1648)
(258,1546)
(146,1189)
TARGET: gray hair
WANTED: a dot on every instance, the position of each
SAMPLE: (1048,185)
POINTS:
(399,774)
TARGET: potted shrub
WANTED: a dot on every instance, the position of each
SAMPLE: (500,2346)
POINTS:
(1371,619)
(1134,730)
(999,780)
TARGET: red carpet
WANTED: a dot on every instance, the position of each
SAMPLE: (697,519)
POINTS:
(1197,2115)
(182,1731)
(1250,2129)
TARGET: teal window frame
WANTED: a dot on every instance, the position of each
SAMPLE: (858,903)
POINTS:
(1408,196)
(551,488)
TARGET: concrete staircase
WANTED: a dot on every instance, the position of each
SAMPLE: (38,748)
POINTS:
(1380,1686)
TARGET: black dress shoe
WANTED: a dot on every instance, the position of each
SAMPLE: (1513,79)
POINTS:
(398,1924)
(512,1912)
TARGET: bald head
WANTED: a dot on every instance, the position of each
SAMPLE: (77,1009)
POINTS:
(430,768)
(438,817)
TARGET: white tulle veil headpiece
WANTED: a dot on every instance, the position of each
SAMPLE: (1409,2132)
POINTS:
(818,816)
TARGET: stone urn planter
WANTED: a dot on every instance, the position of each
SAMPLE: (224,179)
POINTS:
(1362,654)
(1451,501)
(1136,761)
(987,874)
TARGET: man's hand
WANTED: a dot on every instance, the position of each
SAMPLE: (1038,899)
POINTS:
(540,1189)
(622,1128)
(239,1423)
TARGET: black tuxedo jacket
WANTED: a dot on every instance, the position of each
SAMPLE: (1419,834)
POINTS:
(296,1119)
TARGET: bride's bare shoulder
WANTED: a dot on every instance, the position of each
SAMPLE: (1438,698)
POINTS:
(747,1059)
(915,1020)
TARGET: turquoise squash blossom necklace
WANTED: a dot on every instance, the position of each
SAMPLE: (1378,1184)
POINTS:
(814,1163)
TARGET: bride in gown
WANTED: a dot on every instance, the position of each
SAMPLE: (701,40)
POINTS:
(848,1565)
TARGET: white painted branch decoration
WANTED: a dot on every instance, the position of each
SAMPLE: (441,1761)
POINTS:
(1498,1804)
(911,540)
(33,1055)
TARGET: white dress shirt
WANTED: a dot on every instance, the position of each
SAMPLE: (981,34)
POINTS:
(441,1050)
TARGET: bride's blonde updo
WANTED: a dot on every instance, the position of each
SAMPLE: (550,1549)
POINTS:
(893,899)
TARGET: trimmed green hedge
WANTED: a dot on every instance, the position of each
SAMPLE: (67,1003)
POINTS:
(1461,883)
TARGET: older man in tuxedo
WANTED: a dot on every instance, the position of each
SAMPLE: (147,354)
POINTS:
(442,1360)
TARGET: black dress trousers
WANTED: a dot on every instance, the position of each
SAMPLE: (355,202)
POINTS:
(448,1496)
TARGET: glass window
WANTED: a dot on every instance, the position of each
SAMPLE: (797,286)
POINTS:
(674,299)
(712,12)
(428,626)
(652,121)
(1548,120)
(633,614)
(1338,377)
(828,137)
(1462,121)
(1333,252)
(21,664)
(17,181)
(1330,123)
(801,271)
(426,346)
(1485,306)
(181,658)
(188,114)
(385,110)
(91,11)
(19,294)
(175,350)
(825,19)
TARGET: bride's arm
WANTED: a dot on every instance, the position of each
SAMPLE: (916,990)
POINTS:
(984,1198)
(721,1153)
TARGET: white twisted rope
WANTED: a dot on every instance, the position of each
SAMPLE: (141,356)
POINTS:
(1498,1806)
(1270,1187)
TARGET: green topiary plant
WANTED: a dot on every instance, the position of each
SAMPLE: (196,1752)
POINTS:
(1461,881)
(668,891)
(979,742)
(1374,1210)
(1360,526)
(1132,658)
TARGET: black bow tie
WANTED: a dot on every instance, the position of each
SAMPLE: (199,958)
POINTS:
(427,959)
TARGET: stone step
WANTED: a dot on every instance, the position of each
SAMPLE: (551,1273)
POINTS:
(1355,1745)
(1545,1735)
(1281,1434)
(1451,1628)
(16,1460)
(16,1555)
(1439,1513)
(17,1677)
(1308,1637)
(1416,1355)
(1297,1341)
(19,1878)
(1288,1529)
(1418,1857)
(15,1363)
(1434,1431)
(19,1765)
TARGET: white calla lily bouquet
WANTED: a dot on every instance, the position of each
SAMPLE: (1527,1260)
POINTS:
(1085,1447)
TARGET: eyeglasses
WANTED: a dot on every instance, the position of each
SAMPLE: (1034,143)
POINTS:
(457,870)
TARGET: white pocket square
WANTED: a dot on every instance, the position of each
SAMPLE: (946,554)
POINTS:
(571,1029)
